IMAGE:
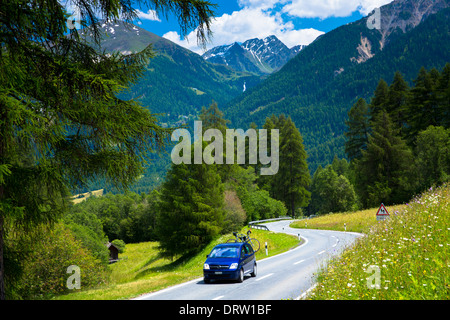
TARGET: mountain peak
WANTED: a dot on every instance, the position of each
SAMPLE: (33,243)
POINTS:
(319,86)
(271,38)
(121,36)
(261,56)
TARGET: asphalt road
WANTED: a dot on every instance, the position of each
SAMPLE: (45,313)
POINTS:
(284,276)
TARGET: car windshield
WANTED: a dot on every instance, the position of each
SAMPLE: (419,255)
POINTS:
(225,252)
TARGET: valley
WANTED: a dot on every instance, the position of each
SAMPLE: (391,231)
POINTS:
(104,195)
(316,86)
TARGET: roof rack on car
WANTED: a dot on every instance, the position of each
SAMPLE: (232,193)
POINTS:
(240,237)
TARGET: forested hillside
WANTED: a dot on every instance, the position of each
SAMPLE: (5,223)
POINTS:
(319,85)
(316,88)
(372,106)
(175,85)
(398,146)
(176,82)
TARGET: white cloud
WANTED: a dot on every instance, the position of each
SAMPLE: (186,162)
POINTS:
(190,42)
(246,24)
(262,18)
(368,5)
(150,15)
(330,8)
(302,36)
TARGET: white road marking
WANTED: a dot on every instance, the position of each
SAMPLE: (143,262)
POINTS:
(289,251)
(149,295)
(266,276)
(304,294)
(299,261)
(337,241)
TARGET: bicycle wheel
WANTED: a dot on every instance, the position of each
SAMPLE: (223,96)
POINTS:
(231,241)
(254,243)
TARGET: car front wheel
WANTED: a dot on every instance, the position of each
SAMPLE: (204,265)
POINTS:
(241,276)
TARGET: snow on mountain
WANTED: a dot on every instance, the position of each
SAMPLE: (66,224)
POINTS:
(261,56)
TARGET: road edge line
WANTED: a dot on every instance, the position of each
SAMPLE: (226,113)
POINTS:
(304,294)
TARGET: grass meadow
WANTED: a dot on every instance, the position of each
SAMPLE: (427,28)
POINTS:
(359,221)
(406,257)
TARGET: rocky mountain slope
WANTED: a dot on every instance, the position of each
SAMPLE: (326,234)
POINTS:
(402,16)
(318,86)
(178,82)
(259,56)
(175,86)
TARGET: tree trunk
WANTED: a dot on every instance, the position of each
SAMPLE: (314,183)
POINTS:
(292,207)
(2,273)
(3,118)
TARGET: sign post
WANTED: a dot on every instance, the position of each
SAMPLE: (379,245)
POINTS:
(382,213)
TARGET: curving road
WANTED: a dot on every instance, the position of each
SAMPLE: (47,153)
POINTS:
(284,276)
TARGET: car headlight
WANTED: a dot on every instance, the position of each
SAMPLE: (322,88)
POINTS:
(206,266)
(234,266)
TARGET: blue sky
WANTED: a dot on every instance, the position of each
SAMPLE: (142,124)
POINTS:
(292,21)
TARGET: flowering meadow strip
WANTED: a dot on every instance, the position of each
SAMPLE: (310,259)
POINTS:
(404,257)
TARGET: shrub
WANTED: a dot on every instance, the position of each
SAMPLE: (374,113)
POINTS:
(259,205)
(45,267)
(234,213)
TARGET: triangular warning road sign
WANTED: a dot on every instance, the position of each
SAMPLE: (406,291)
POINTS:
(382,211)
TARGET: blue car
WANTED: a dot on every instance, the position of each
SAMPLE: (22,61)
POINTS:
(230,261)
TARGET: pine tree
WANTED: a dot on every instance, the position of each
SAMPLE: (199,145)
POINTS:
(213,118)
(397,99)
(422,105)
(266,182)
(249,151)
(383,172)
(316,200)
(340,166)
(380,98)
(443,97)
(191,208)
(358,128)
(433,157)
(293,178)
(331,192)
(61,122)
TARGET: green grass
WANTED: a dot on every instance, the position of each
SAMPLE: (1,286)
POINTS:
(411,251)
(143,270)
(359,221)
